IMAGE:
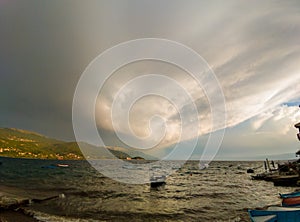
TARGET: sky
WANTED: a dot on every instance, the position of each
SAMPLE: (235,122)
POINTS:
(252,47)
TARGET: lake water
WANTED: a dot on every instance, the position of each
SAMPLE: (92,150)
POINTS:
(221,192)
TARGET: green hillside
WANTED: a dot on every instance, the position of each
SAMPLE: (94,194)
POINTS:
(25,144)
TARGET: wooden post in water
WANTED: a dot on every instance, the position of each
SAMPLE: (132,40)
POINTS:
(265,164)
(268,164)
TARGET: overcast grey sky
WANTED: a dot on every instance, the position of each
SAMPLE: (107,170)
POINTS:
(253,47)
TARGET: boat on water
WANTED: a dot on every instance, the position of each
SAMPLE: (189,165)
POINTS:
(54,166)
(62,165)
(157,181)
(128,167)
(203,166)
(291,201)
(288,181)
(278,180)
(49,167)
(275,215)
(280,208)
(287,195)
(266,176)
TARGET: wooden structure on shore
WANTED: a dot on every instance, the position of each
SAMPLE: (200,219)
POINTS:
(298,134)
(287,174)
(297,126)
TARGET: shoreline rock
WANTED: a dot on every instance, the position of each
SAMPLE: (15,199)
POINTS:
(20,214)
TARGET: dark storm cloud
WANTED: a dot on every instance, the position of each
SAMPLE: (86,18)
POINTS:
(39,67)
(45,46)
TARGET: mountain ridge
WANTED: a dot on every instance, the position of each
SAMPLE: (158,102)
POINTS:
(20,143)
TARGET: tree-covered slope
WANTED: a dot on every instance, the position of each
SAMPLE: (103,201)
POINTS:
(25,144)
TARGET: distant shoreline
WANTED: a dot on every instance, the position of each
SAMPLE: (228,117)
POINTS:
(28,158)
(133,160)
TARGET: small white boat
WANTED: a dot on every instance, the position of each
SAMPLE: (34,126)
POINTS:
(203,166)
(129,167)
(62,165)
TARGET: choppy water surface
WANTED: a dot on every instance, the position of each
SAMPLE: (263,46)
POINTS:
(221,192)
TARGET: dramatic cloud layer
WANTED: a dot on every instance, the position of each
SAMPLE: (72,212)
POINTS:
(252,47)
